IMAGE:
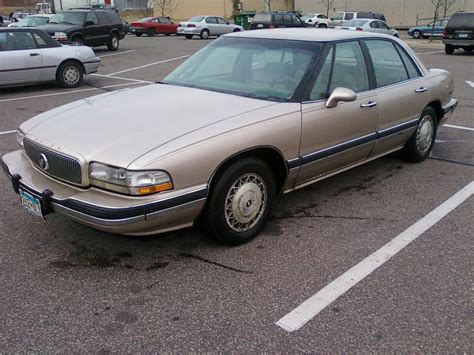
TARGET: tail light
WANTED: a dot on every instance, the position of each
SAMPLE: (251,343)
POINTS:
(191,25)
(271,26)
(359,29)
(445,34)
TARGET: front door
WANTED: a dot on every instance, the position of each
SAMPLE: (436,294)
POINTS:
(20,59)
(333,138)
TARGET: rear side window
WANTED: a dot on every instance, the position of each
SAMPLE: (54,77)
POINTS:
(409,65)
(211,20)
(262,18)
(102,18)
(92,17)
(278,18)
(349,16)
(388,66)
(462,20)
(365,15)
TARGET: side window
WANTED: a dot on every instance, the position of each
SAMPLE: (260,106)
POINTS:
(339,16)
(102,18)
(411,68)
(287,19)
(165,20)
(211,20)
(3,41)
(221,21)
(17,41)
(296,19)
(388,66)
(91,17)
(320,88)
(40,41)
(279,18)
(349,16)
(349,70)
(382,25)
(373,24)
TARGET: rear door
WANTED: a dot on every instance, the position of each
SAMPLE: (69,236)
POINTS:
(105,26)
(21,61)
(92,31)
(212,25)
(401,90)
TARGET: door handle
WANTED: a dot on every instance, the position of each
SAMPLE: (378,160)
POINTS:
(34,54)
(369,104)
(421,89)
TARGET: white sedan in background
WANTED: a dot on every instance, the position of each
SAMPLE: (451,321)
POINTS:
(29,55)
(206,26)
(316,20)
(369,25)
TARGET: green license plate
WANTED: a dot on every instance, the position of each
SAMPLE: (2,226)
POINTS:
(31,203)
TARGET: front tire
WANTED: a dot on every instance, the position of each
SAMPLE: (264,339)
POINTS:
(322,25)
(188,36)
(77,40)
(448,49)
(150,32)
(417,34)
(204,34)
(240,203)
(420,144)
(70,74)
(113,43)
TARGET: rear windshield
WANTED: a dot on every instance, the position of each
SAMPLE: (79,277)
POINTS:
(196,19)
(262,18)
(462,20)
(355,23)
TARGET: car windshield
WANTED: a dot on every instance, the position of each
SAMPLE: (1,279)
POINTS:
(32,21)
(268,69)
(70,18)
(146,19)
(196,19)
(355,23)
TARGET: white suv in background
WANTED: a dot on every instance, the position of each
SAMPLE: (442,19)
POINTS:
(316,20)
(340,17)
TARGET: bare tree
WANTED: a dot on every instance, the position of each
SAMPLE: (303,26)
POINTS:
(327,5)
(268,5)
(438,4)
(166,7)
(446,5)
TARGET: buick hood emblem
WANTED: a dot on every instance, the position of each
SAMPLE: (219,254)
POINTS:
(43,162)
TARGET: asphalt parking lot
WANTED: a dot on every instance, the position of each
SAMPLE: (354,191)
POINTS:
(67,288)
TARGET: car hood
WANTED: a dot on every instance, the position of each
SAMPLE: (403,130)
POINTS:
(118,127)
(59,27)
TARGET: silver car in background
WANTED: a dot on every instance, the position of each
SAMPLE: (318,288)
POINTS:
(206,26)
(29,55)
(368,25)
(32,21)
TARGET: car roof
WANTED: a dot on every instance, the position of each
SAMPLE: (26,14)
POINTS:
(306,34)
(20,29)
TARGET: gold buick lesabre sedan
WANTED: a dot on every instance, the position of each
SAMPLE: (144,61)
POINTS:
(249,116)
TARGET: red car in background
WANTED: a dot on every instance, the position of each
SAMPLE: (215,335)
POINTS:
(153,25)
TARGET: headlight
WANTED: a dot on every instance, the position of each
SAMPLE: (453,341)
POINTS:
(129,181)
(19,137)
(60,34)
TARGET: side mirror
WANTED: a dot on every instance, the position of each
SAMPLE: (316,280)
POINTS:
(340,95)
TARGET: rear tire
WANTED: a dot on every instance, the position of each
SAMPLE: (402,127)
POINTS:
(449,49)
(113,43)
(204,34)
(77,40)
(241,201)
(70,74)
(236,30)
(167,34)
(139,34)
(420,144)
(188,36)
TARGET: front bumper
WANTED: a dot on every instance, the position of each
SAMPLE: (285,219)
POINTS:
(104,210)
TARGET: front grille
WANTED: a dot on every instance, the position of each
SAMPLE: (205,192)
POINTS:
(59,165)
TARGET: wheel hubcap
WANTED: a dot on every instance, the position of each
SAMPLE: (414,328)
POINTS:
(205,34)
(245,202)
(71,75)
(114,42)
(424,134)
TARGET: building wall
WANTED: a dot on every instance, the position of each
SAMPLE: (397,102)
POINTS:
(184,9)
(397,12)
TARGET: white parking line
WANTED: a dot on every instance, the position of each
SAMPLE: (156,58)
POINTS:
(119,53)
(126,79)
(430,52)
(459,127)
(327,295)
(149,65)
(7,132)
(68,92)
(470,83)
